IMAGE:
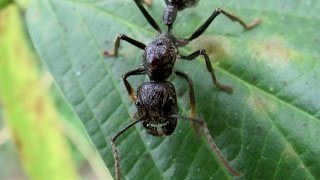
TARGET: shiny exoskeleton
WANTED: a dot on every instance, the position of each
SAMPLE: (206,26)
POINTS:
(160,56)
(156,100)
(156,104)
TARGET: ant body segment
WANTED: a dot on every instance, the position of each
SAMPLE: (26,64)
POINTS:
(156,100)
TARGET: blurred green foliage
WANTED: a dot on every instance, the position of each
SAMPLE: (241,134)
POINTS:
(4,3)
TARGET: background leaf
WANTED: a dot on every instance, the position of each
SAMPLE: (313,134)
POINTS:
(30,115)
(267,128)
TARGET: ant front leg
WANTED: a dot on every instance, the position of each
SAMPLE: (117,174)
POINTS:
(209,67)
(191,91)
(145,13)
(114,147)
(117,45)
(128,85)
(204,26)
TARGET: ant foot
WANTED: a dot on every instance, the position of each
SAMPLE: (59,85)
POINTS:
(109,54)
(225,88)
(254,23)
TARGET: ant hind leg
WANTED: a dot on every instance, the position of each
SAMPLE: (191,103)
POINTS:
(205,131)
(194,55)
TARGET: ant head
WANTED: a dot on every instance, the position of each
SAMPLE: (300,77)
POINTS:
(156,103)
(159,58)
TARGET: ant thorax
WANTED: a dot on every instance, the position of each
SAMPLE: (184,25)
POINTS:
(156,103)
(160,56)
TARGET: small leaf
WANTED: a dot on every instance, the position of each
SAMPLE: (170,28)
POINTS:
(267,128)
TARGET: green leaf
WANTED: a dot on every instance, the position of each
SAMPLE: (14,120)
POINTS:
(30,114)
(267,128)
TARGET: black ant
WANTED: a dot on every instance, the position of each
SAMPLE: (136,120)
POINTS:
(158,112)
(156,100)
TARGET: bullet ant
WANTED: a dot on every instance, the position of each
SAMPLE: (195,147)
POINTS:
(156,100)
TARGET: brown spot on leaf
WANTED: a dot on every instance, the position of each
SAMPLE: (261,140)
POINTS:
(260,104)
(217,47)
(273,50)
(256,103)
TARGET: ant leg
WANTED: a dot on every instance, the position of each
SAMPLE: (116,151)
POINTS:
(148,2)
(114,147)
(191,91)
(116,45)
(127,84)
(213,145)
(218,11)
(151,21)
(209,67)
